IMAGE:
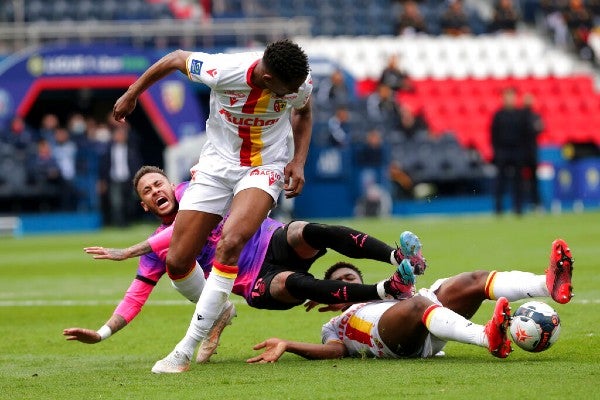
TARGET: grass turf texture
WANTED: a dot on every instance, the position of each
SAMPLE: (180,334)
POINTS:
(48,283)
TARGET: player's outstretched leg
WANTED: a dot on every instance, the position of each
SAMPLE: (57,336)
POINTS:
(210,343)
(559,272)
(410,248)
(401,285)
(174,363)
(496,329)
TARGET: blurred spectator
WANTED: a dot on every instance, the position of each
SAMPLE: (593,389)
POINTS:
(505,17)
(339,127)
(48,124)
(412,126)
(372,160)
(64,151)
(534,125)
(19,135)
(382,108)
(410,20)
(394,77)
(454,21)
(334,92)
(579,23)
(402,183)
(77,126)
(43,171)
(508,139)
(117,167)
(555,22)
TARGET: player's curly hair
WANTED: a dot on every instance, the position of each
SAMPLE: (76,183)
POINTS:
(146,169)
(342,264)
(286,60)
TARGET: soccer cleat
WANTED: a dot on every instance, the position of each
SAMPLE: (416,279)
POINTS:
(558,274)
(209,345)
(496,329)
(410,248)
(401,285)
(175,363)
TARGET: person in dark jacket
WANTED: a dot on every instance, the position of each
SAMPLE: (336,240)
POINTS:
(509,144)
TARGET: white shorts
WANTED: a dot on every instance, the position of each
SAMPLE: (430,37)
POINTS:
(216,181)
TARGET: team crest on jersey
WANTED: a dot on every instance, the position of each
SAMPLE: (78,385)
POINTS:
(272,175)
(196,67)
(279,105)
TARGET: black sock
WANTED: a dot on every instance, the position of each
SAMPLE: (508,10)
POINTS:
(346,241)
(305,286)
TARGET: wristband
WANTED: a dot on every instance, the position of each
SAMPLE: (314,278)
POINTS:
(104,332)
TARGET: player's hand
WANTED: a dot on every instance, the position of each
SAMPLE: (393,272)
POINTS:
(124,106)
(293,179)
(309,305)
(103,253)
(274,349)
(83,335)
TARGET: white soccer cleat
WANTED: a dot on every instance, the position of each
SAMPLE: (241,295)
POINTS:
(175,363)
(209,345)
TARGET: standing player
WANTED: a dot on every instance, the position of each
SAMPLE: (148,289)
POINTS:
(421,326)
(273,267)
(256,99)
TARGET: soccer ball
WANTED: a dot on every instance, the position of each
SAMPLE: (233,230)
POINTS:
(535,326)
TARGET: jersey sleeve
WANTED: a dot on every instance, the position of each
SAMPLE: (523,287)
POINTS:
(159,243)
(134,299)
(201,68)
(329,331)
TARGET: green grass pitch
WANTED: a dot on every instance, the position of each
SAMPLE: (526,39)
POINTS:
(48,283)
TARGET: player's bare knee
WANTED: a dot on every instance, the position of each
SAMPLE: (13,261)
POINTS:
(419,304)
(178,266)
(294,232)
(229,247)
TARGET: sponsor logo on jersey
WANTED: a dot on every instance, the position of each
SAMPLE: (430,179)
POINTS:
(279,105)
(247,121)
(212,72)
(234,96)
(196,67)
(272,175)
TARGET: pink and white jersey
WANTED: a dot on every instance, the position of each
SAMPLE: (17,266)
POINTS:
(247,125)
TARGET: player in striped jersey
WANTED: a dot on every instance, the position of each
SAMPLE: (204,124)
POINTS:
(256,100)
(421,326)
(274,266)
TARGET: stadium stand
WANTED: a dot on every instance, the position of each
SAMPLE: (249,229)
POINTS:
(456,79)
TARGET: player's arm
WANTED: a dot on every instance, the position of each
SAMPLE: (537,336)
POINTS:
(136,296)
(174,61)
(302,132)
(90,336)
(106,253)
(158,243)
(274,348)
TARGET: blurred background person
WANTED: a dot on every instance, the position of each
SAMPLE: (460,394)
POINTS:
(454,20)
(509,143)
(410,20)
(117,167)
(505,17)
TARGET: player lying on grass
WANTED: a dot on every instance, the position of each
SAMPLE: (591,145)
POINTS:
(273,268)
(421,326)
